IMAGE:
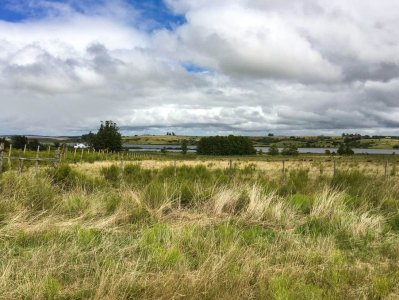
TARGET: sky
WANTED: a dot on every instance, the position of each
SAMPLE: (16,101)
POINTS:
(200,67)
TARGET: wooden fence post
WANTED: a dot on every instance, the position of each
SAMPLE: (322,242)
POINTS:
(81,156)
(57,159)
(66,153)
(9,156)
(283,167)
(25,149)
(37,160)
(21,162)
(1,157)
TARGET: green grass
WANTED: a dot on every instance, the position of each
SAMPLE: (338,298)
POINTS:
(197,233)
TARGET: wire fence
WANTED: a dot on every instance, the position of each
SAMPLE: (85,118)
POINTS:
(22,159)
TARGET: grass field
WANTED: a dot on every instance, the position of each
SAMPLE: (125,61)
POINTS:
(280,141)
(156,229)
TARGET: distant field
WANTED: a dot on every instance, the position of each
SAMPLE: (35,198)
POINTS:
(159,139)
(280,141)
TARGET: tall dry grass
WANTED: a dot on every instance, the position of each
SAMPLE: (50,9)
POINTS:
(199,233)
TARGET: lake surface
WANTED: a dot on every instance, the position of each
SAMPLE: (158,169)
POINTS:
(192,149)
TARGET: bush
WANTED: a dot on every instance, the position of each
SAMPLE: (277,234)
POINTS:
(273,150)
(344,149)
(290,150)
(184,147)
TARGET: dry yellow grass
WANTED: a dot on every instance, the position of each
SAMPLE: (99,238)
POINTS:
(199,234)
(267,168)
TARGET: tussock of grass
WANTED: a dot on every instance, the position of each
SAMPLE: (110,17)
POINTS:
(194,232)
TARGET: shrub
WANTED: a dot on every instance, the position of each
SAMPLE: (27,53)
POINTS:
(273,150)
(184,147)
(344,149)
(290,150)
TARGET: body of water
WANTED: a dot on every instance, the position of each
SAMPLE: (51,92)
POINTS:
(192,149)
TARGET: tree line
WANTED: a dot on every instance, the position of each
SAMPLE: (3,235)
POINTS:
(109,138)
(20,142)
(225,145)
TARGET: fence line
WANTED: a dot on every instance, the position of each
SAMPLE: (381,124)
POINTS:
(62,154)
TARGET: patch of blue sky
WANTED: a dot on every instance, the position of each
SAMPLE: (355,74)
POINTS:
(155,13)
(193,68)
(159,13)
(11,12)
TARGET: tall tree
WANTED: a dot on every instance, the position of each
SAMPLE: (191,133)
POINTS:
(107,137)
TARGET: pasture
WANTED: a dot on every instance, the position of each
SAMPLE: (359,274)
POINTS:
(158,226)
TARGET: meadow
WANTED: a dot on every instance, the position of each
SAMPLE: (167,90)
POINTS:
(188,227)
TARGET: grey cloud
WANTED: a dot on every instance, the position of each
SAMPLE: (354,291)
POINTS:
(284,66)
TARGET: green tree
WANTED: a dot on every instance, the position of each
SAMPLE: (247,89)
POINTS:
(292,149)
(273,150)
(225,145)
(107,137)
(19,141)
(345,149)
(184,147)
(89,139)
(5,143)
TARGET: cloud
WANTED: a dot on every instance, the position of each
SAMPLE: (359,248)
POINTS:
(243,66)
